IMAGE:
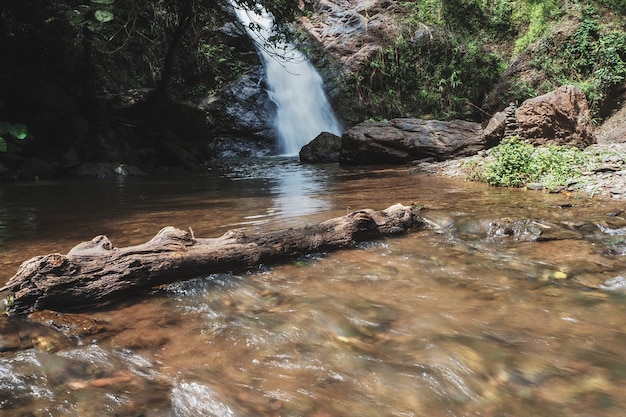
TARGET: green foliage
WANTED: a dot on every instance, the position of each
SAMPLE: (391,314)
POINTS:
(593,57)
(617,5)
(514,163)
(511,166)
(16,131)
(536,16)
(90,15)
(466,16)
(555,166)
(435,73)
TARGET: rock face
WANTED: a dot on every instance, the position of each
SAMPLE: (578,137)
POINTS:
(326,147)
(351,30)
(560,117)
(244,115)
(403,140)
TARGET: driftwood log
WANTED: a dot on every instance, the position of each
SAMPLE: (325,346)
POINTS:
(95,273)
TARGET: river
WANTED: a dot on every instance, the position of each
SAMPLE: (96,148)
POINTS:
(467,319)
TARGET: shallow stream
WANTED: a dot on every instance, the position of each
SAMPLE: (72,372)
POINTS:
(501,309)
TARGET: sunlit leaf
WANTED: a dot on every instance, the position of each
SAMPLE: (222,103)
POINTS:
(18,131)
(103,1)
(103,16)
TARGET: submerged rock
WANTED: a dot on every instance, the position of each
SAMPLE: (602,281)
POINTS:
(617,283)
(530,230)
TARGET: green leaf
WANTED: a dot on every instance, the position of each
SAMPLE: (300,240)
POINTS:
(3,144)
(18,131)
(103,16)
(103,1)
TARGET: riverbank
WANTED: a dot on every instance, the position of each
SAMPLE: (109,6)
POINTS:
(606,179)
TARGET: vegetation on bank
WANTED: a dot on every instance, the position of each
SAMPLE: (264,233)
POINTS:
(515,163)
(450,54)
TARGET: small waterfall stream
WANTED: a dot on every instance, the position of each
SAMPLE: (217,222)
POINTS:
(295,86)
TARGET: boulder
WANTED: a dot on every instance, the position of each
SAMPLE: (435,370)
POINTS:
(560,117)
(326,147)
(400,141)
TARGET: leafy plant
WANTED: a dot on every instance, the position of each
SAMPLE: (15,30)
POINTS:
(555,166)
(514,163)
(511,166)
(536,16)
(17,131)
(438,73)
(593,58)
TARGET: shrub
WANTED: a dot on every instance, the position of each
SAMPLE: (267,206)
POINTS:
(514,163)
(511,166)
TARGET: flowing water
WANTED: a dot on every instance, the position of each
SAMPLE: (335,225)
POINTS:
(469,318)
(295,86)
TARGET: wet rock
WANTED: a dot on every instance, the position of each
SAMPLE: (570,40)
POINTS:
(617,283)
(560,117)
(20,335)
(403,140)
(72,325)
(529,230)
(325,147)
(243,111)
(535,186)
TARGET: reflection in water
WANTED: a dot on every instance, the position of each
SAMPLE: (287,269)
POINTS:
(479,317)
(16,218)
(296,190)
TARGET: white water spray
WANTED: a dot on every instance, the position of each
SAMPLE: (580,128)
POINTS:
(295,86)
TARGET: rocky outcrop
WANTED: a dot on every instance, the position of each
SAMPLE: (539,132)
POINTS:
(403,140)
(326,147)
(560,117)
(243,113)
(350,30)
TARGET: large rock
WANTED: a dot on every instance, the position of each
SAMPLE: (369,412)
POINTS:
(560,117)
(326,147)
(403,140)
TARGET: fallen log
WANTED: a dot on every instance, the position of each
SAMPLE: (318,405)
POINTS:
(95,273)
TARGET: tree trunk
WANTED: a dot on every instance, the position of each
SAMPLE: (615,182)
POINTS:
(186,16)
(95,273)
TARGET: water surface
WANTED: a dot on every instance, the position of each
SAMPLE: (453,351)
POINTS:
(467,319)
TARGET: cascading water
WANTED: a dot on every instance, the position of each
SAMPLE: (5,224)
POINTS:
(295,86)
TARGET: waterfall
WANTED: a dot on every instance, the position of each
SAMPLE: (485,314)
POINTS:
(295,86)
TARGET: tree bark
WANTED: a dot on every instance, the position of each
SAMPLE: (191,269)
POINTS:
(95,273)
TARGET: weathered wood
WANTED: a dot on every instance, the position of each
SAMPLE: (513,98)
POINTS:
(96,273)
